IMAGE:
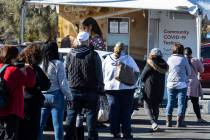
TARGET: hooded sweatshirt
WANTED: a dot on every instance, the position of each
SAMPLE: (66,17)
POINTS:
(109,71)
(84,69)
(179,71)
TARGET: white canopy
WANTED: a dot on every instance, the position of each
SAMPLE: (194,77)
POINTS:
(179,5)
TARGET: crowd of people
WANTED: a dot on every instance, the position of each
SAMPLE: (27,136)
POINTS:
(39,84)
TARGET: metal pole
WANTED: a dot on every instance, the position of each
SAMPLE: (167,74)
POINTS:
(22,20)
(198,26)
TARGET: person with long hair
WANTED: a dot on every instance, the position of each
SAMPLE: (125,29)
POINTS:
(54,96)
(96,41)
(194,90)
(15,80)
(177,82)
(120,95)
(153,77)
(33,97)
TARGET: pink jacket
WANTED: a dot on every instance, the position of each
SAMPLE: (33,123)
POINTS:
(194,87)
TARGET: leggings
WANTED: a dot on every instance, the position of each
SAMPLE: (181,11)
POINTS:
(196,107)
(152,110)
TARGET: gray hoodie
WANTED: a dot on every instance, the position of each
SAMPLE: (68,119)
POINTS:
(179,71)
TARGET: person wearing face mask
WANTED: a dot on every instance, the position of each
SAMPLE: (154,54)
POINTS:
(120,95)
(84,72)
(96,41)
(153,77)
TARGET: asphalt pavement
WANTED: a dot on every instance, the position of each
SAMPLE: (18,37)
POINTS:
(142,129)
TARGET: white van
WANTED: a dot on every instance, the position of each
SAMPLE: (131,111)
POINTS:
(64,51)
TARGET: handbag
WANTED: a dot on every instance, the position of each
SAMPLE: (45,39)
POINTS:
(103,113)
(139,94)
(125,74)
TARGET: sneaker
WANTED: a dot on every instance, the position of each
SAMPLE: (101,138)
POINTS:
(155,127)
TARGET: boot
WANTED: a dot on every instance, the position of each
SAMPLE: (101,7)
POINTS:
(80,133)
(180,121)
(169,121)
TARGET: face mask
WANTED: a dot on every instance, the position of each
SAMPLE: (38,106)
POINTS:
(123,53)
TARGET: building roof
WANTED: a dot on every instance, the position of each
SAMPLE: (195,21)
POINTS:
(137,4)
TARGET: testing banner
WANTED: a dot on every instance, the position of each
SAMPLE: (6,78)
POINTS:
(177,30)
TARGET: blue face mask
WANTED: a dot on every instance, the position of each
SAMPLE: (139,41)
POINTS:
(123,53)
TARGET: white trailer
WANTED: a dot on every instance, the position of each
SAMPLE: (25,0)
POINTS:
(169,21)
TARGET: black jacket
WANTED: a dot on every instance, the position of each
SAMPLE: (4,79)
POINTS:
(42,84)
(153,77)
(33,97)
(84,69)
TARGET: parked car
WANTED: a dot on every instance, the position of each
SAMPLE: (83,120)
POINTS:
(64,51)
(205,55)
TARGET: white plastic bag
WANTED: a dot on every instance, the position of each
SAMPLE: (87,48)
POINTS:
(103,113)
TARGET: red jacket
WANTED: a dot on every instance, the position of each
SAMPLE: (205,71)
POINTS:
(15,81)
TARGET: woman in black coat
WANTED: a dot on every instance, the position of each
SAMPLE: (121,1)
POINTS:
(153,77)
(33,97)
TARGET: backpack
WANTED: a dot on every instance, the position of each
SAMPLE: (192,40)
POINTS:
(4,95)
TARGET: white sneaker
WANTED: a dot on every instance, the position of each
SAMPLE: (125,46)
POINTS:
(134,113)
(155,126)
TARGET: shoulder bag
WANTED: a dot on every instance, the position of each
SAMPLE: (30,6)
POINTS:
(125,74)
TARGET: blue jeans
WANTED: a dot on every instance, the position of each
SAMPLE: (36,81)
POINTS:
(89,101)
(121,105)
(54,104)
(172,95)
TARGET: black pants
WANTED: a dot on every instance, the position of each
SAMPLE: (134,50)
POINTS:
(9,127)
(29,126)
(121,105)
(196,107)
(152,110)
